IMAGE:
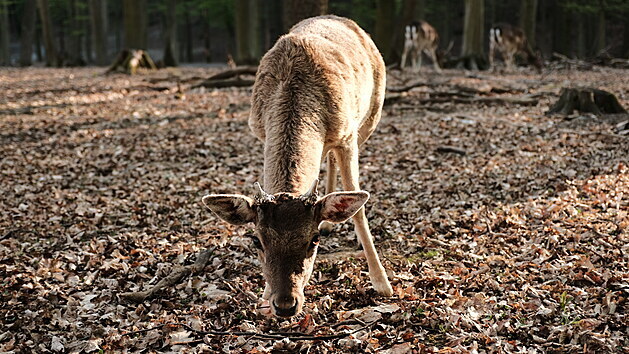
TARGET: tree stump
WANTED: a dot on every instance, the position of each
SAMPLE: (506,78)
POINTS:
(586,100)
(129,60)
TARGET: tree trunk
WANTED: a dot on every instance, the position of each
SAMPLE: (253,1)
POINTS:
(385,15)
(206,37)
(170,34)
(581,18)
(561,38)
(528,19)
(419,10)
(600,28)
(135,24)
(404,18)
(28,32)
(75,48)
(273,26)
(474,32)
(5,55)
(52,57)
(189,38)
(98,15)
(297,10)
(38,47)
(247,31)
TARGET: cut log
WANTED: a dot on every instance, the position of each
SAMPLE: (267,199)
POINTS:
(130,60)
(588,100)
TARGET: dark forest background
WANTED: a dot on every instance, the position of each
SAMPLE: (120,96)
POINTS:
(92,32)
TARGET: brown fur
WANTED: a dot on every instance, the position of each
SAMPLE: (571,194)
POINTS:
(509,41)
(319,90)
(313,94)
(420,37)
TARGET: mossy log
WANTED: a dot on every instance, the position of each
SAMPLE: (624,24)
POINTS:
(130,60)
(586,100)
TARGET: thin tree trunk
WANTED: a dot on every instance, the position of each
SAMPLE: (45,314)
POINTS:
(581,18)
(38,47)
(75,49)
(52,57)
(274,26)
(474,25)
(29,16)
(5,55)
(297,10)
(420,10)
(206,37)
(87,38)
(189,39)
(385,15)
(600,41)
(170,34)
(135,24)
(255,30)
(98,14)
(528,19)
(404,18)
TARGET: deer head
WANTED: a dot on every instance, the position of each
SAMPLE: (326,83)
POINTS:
(286,235)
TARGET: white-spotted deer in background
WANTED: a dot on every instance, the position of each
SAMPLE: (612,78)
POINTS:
(420,36)
(318,92)
(509,41)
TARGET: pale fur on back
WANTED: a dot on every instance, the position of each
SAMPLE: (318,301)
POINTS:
(319,86)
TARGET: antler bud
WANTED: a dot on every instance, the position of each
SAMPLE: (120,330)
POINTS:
(262,196)
(312,194)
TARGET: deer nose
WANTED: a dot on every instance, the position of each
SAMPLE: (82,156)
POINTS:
(285,306)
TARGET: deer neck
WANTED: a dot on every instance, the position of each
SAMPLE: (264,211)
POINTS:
(292,158)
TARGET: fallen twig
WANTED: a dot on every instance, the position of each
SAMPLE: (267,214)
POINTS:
(447,148)
(173,278)
(293,336)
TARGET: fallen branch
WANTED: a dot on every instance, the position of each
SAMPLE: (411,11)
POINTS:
(414,85)
(173,278)
(239,70)
(452,149)
(293,336)
(238,82)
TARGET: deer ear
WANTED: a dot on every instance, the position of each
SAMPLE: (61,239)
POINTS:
(340,206)
(233,208)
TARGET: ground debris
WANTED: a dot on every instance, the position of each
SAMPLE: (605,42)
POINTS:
(517,243)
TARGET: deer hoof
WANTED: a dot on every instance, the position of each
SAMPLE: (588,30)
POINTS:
(382,286)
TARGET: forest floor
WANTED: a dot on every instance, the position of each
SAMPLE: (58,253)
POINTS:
(503,229)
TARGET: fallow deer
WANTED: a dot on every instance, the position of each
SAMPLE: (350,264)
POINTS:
(420,36)
(509,41)
(318,92)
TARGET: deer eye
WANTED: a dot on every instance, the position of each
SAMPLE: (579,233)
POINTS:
(256,242)
(314,241)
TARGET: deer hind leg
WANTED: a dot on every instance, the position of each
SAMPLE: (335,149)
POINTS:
(432,53)
(330,186)
(509,61)
(348,165)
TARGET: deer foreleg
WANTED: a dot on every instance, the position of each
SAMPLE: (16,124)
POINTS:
(492,52)
(348,164)
(330,186)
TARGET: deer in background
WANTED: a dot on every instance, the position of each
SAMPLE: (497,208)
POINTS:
(318,92)
(509,41)
(420,36)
